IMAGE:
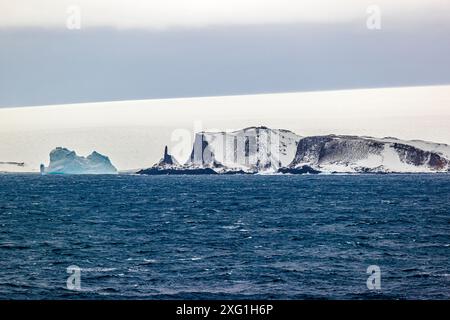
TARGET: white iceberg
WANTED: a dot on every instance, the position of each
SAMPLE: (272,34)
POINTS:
(65,161)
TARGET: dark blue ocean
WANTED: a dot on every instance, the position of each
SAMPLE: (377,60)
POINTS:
(225,237)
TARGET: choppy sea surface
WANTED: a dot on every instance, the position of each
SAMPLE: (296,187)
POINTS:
(225,237)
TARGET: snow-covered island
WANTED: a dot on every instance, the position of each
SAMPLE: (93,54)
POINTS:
(261,150)
(65,161)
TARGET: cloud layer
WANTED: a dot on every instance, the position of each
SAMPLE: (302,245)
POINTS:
(162,14)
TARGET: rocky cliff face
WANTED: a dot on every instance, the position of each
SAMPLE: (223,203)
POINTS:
(64,161)
(254,149)
(362,154)
(167,161)
(265,150)
(169,165)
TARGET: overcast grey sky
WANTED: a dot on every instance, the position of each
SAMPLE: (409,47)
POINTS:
(154,49)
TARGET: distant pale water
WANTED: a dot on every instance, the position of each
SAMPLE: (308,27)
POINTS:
(220,237)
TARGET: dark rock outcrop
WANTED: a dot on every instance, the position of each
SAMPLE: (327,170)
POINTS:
(301,170)
(418,157)
(168,165)
(174,171)
(320,149)
(167,160)
(349,151)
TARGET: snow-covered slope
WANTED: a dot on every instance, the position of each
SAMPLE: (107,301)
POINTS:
(265,150)
(333,153)
(64,161)
(441,148)
(253,149)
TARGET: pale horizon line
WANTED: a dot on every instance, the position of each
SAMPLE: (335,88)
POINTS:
(224,96)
